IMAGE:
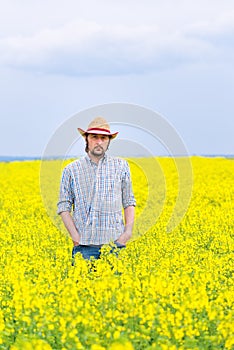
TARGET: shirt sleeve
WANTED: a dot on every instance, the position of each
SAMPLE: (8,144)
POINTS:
(66,197)
(128,198)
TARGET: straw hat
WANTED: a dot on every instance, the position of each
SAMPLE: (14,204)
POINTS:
(98,126)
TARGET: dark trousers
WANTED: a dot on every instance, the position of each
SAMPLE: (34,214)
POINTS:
(88,251)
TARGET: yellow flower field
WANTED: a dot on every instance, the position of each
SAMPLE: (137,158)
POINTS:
(166,290)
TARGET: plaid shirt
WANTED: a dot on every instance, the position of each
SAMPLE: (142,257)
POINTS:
(96,193)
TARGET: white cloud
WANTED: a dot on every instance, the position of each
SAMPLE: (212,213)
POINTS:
(103,45)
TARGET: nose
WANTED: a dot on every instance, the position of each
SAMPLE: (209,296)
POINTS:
(99,140)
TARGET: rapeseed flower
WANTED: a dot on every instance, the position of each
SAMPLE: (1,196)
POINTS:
(166,290)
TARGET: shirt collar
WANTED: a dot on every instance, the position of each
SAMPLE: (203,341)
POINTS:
(102,160)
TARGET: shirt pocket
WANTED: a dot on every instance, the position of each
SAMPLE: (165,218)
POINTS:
(111,197)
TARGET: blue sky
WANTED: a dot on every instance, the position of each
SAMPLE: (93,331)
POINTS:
(58,58)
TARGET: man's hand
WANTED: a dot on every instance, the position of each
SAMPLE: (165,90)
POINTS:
(124,237)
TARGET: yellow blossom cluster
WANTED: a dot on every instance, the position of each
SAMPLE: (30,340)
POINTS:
(166,290)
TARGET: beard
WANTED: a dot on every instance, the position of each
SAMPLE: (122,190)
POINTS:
(98,151)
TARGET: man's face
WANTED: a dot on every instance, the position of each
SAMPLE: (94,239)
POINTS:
(98,144)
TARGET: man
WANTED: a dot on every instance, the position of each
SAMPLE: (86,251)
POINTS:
(97,187)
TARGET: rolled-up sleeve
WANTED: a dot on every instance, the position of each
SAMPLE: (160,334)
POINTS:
(128,198)
(66,197)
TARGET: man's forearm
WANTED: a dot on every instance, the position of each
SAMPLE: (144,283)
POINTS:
(70,226)
(129,222)
(129,214)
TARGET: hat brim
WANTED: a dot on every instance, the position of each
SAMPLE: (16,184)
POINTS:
(98,132)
